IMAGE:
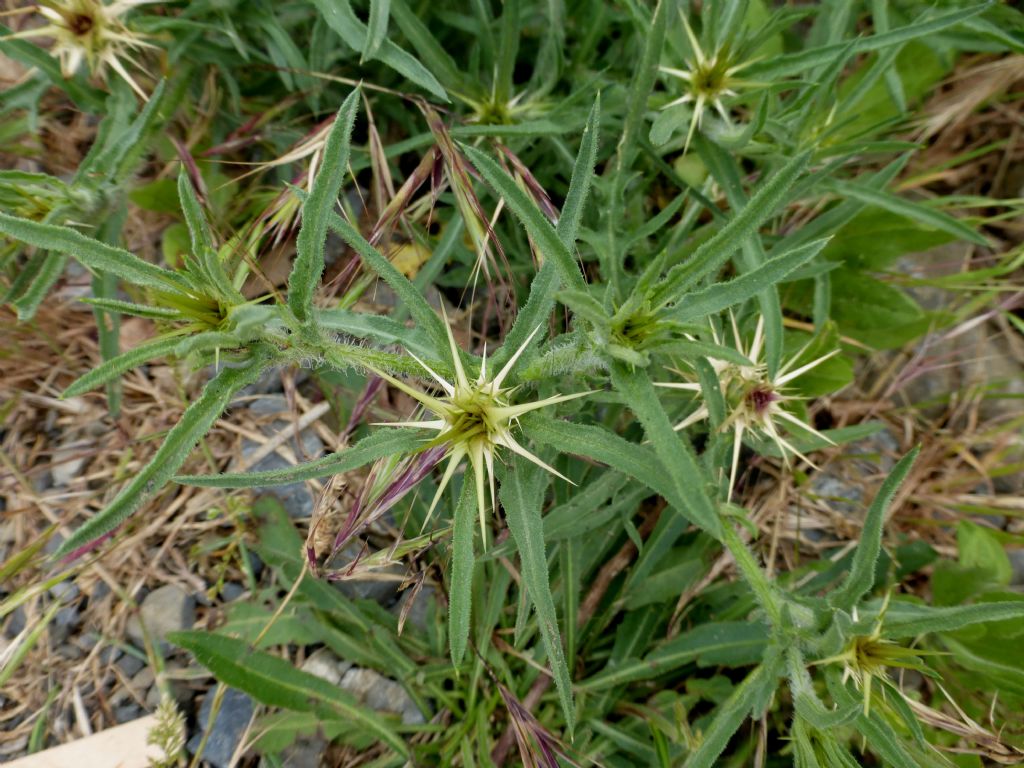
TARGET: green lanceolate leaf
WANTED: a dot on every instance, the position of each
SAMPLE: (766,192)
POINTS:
(198,228)
(91,253)
(421,312)
(130,308)
(949,619)
(862,571)
(339,16)
(727,643)
(720,296)
(275,682)
(376,30)
(794,63)
(545,283)
(385,442)
(126,361)
(522,494)
(460,590)
(712,254)
(671,447)
(309,246)
(582,177)
(600,444)
(926,215)
(728,718)
(540,229)
(194,423)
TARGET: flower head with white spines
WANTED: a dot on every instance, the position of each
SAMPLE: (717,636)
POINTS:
(93,32)
(474,418)
(708,80)
(755,400)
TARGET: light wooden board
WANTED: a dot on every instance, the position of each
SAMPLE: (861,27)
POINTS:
(123,746)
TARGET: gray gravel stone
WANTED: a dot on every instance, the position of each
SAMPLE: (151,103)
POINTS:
(1017,565)
(126,713)
(381,693)
(166,609)
(130,664)
(324,664)
(235,712)
(295,498)
(231,591)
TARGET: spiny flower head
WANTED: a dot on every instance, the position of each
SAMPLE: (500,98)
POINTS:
(90,31)
(756,401)
(709,79)
(474,418)
(866,658)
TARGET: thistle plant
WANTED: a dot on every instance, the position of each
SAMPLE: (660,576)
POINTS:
(632,582)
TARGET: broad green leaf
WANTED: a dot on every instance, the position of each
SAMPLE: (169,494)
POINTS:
(274,681)
(384,442)
(862,570)
(720,296)
(544,235)
(460,590)
(91,253)
(309,246)
(522,495)
(194,423)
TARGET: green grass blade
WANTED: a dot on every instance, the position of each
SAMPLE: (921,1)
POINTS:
(309,258)
(522,495)
(862,570)
(382,443)
(929,217)
(340,17)
(275,682)
(794,63)
(195,422)
(41,272)
(543,234)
